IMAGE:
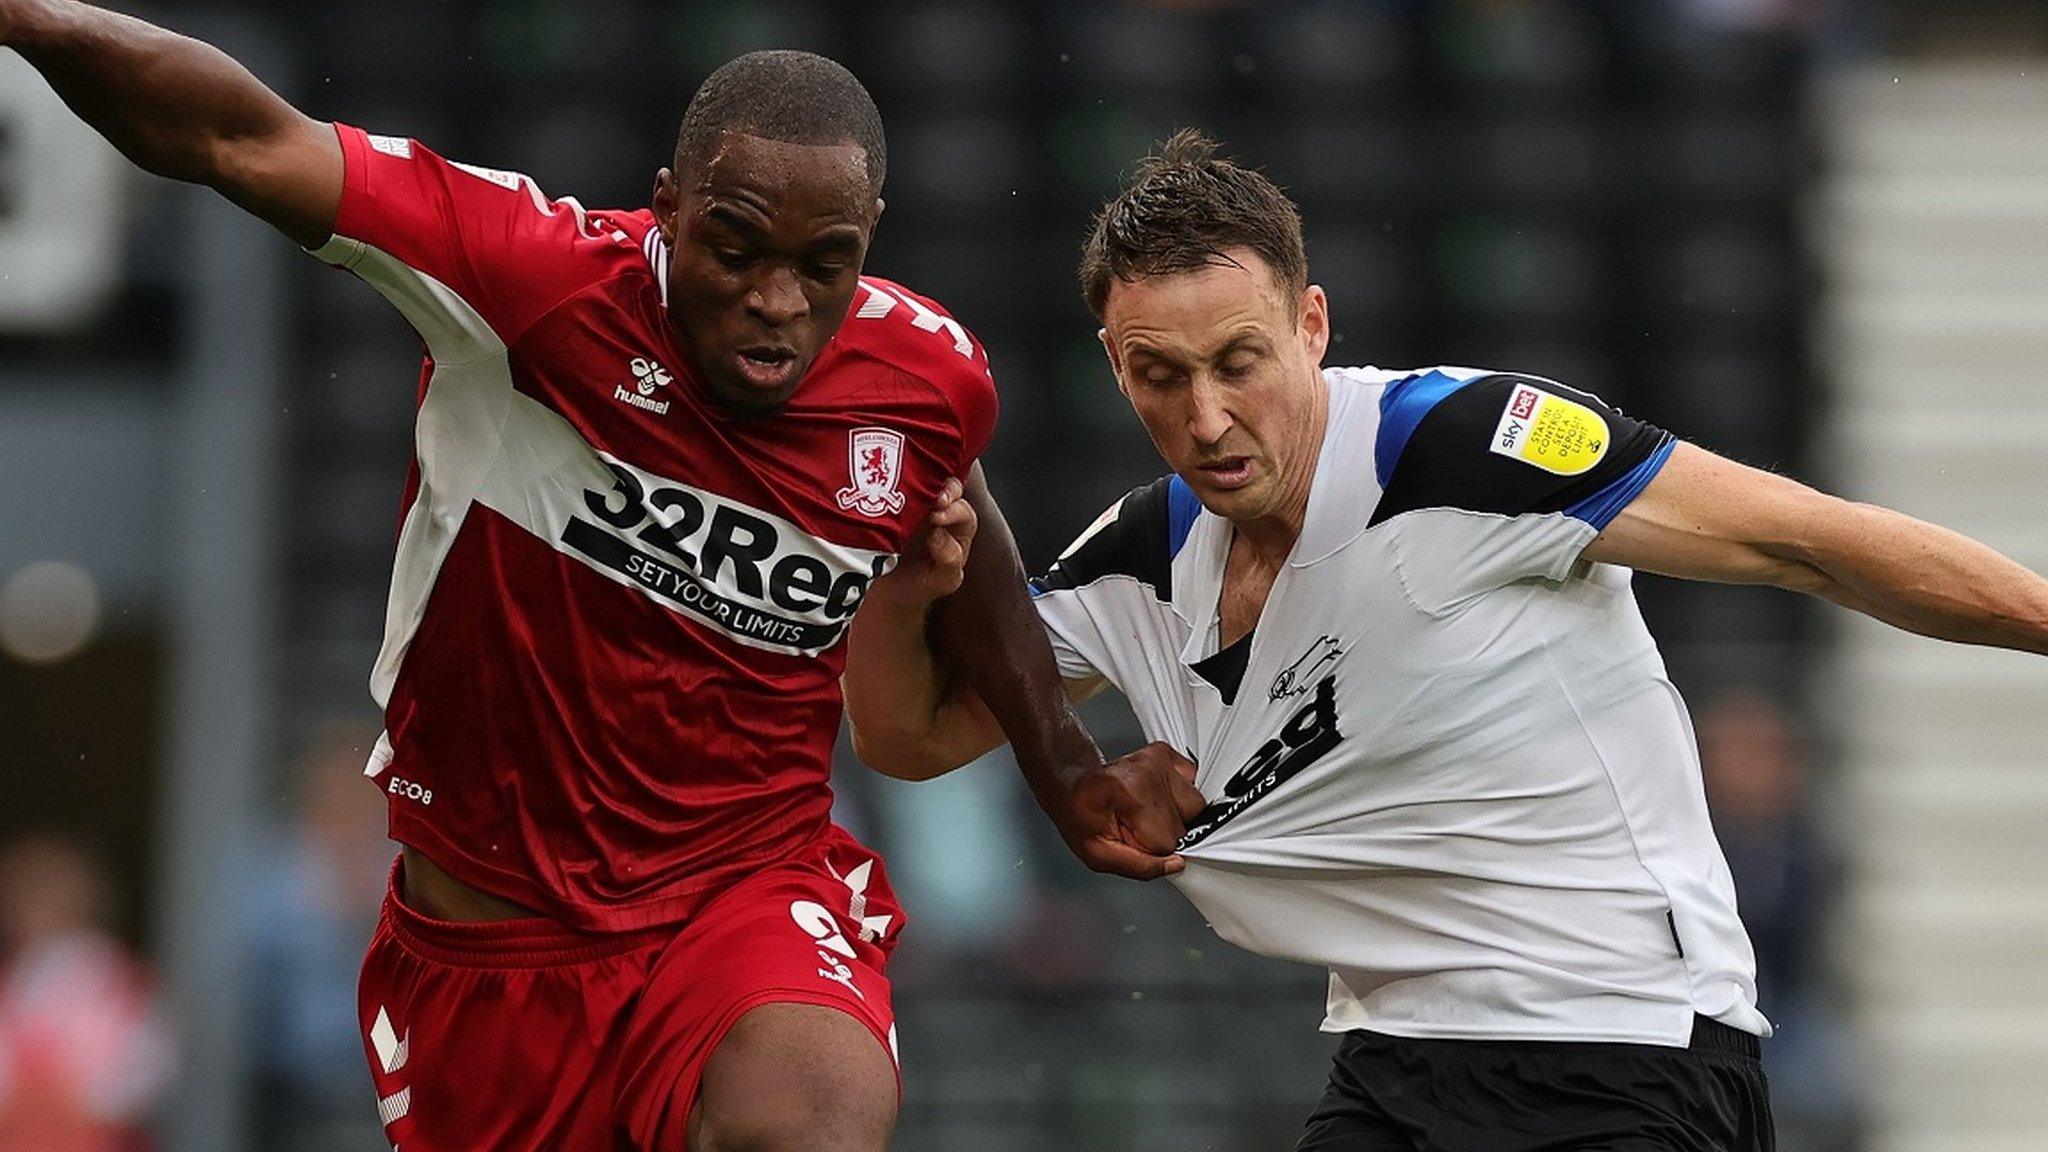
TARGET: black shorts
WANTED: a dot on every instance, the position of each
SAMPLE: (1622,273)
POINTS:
(1389,1094)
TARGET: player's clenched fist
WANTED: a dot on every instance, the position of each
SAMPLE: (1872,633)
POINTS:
(1126,816)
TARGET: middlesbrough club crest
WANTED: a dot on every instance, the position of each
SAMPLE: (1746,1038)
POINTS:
(874,456)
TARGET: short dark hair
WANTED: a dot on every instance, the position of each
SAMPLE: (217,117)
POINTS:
(794,97)
(1183,208)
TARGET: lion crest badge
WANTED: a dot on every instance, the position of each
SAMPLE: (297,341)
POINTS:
(874,458)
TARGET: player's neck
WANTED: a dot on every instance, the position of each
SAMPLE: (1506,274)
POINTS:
(1270,538)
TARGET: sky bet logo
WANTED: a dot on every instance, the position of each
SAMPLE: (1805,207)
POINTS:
(1309,735)
(750,574)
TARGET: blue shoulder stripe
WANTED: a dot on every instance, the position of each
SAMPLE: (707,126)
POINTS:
(1402,406)
(1603,506)
(1181,509)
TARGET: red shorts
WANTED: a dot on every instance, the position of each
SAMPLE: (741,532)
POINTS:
(523,1036)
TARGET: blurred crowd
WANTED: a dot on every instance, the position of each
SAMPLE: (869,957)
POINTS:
(1757,765)
(87,1050)
(84,1050)
(316,887)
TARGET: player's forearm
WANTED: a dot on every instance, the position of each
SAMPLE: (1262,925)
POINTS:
(991,633)
(1706,518)
(904,706)
(173,105)
(1926,579)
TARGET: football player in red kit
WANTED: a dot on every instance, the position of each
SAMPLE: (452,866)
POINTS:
(661,457)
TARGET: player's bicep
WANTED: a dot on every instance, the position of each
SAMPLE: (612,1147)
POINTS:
(964,731)
(290,178)
(1708,518)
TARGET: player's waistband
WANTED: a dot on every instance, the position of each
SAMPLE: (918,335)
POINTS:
(1710,1035)
(527,942)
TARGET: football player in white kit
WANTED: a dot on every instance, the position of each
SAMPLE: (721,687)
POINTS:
(1388,614)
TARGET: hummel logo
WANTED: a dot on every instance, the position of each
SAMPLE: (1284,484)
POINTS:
(856,881)
(647,376)
(650,375)
(392,1054)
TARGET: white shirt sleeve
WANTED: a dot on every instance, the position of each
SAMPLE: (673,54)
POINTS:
(1495,478)
(1076,634)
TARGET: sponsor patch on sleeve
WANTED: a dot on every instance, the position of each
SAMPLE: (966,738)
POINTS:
(1550,432)
(397,146)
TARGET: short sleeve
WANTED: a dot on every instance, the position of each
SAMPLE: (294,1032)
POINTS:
(937,348)
(1113,577)
(977,404)
(1490,478)
(1076,639)
(470,255)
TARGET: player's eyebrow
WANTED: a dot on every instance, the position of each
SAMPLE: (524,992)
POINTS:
(1139,346)
(838,238)
(1246,336)
(733,218)
(835,238)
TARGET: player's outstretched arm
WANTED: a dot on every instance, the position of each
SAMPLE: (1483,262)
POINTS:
(183,109)
(1707,518)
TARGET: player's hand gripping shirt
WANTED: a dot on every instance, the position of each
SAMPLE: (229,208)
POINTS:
(1447,763)
(611,655)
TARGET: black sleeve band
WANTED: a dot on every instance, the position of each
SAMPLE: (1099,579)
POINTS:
(1137,544)
(1483,448)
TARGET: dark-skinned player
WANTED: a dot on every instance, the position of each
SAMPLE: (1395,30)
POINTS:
(662,455)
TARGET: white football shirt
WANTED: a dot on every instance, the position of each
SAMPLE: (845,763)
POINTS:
(1448,763)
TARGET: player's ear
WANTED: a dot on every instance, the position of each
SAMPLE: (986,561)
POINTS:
(1314,309)
(666,201)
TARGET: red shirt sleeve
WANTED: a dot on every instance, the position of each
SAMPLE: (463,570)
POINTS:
(975,402)
(421,229)
(944,353)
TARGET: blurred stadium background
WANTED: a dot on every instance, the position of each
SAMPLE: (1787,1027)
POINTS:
(1812,235)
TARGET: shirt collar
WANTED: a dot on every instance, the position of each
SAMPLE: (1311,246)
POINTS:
(1344,491)
(1341,498)
(657,252)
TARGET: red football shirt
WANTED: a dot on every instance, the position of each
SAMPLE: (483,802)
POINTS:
(612,650)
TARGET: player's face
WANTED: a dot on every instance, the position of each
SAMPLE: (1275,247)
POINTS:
(1221,366)
(767,241)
